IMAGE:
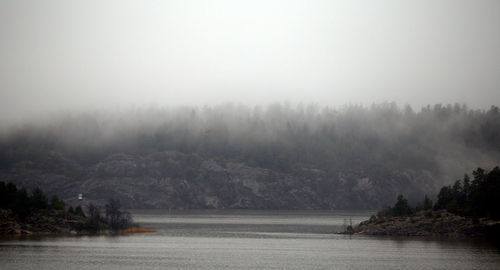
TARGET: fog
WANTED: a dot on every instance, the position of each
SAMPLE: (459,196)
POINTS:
(444,140)
(352,157)
(92,55)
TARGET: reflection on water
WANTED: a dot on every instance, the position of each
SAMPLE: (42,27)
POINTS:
(246,240)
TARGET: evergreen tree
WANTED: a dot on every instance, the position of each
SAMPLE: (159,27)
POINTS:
(445,196)
(22,204)
(57,204)
(427,204)
(38,199)
(79,211)
(401,208)
(94,219)
(466,188)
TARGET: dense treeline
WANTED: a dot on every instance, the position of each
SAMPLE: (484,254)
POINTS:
(23,204)
(291,156)
(403,208)
(475,198)
(376,139)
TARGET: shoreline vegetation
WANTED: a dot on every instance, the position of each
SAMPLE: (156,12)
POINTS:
(465,209)
(23,214)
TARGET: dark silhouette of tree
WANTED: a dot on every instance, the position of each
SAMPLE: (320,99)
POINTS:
(38,199)
(10,197)
(94,218)
(79,211)
(401,208)
(23,203)
(56,204)
(427,204)
(115,217)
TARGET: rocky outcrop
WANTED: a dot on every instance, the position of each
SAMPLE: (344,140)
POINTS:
(171,179)
(57,222)
(41,222)
(427,223)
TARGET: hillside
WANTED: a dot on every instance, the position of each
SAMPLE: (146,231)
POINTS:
(238,157)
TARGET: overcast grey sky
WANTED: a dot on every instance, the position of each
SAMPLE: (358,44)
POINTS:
(78,54)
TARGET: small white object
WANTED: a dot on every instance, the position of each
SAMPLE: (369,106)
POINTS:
(80,196)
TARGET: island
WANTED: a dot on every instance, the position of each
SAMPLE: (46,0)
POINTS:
(465,209)
(23,213)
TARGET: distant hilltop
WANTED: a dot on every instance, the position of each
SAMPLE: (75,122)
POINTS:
(278,157)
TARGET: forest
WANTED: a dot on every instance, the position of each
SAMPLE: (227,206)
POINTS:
(430,147)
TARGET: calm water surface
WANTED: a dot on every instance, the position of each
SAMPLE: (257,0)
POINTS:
(246,240)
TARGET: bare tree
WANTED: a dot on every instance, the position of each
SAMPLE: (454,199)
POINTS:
(116,218)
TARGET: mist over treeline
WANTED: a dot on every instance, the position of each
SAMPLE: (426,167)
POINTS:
(446,140)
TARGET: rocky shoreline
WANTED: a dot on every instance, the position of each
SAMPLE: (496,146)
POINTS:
(54,222)
(428,223)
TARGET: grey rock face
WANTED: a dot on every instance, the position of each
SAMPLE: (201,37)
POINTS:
(178,180)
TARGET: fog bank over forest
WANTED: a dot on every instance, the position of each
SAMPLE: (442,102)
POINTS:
(139,100)
(353,155)
(60,54)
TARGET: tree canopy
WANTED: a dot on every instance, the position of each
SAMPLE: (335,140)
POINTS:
(479,197)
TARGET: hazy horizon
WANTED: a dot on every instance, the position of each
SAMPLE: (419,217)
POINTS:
(71,55)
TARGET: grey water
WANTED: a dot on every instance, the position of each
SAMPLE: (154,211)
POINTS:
(239,239)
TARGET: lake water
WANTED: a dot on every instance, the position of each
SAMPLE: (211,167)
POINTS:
(246,240)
